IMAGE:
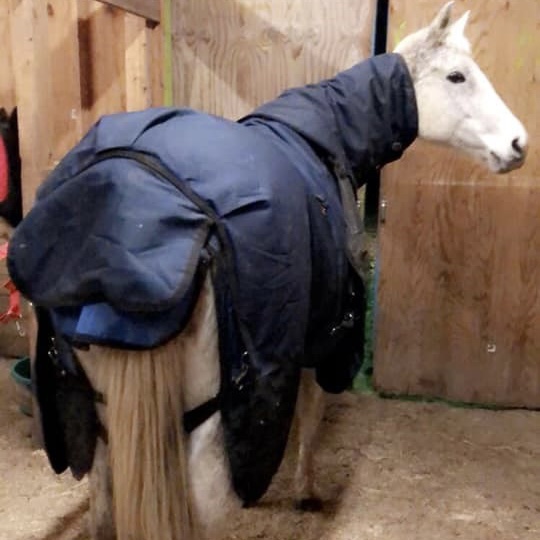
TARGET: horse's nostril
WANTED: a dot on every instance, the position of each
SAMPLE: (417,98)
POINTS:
(516,145)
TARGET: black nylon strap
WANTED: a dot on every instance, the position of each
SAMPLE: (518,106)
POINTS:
(355,227)
(197,416)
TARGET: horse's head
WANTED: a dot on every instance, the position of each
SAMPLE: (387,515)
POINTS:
(457,105)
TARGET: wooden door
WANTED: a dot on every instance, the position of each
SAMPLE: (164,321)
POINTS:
(458,306)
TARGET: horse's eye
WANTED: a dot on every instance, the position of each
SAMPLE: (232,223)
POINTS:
(456,77)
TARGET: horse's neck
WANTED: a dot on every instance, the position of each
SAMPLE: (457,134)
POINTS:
(365,115)
(375,108)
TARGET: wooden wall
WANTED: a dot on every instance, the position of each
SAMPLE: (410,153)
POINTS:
(458,302)
(73,62)
(7,88)
(64,64)
(231,55)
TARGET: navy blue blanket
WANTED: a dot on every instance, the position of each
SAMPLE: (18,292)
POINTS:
(122,245)
(147,203)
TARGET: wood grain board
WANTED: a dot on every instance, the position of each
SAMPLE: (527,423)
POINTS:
(458,312)
(458,309)
(65,64)
(7,89)
(231,55)
(72,63)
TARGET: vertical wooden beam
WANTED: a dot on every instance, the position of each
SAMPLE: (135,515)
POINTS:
(29,45)
(7,88)
(45,44)
(158,66)
(143,63)
(65,115)
(137,58)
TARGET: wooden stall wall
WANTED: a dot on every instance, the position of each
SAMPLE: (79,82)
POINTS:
(458,300)
(64,64)
(231,55)
(7,88)
(11,343)
(75,61)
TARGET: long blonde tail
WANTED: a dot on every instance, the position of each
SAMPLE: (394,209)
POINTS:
(146,441)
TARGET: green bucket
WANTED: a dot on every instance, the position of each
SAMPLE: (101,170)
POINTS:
(20,373)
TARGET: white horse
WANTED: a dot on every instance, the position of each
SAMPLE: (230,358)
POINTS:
(151,480)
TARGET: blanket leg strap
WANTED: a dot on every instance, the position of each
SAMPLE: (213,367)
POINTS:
(197,416)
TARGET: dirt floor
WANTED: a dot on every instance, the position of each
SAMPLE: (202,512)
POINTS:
(387,469)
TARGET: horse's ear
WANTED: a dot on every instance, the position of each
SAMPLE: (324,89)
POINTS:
(458,28)
(441,23)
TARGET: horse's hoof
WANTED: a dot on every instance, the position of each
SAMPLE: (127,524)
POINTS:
(310,504)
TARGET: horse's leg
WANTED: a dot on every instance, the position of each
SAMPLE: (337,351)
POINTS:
(101,516)
(308,417)
(212,496)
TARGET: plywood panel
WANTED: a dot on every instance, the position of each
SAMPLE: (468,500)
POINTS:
(232,55)
(458,303)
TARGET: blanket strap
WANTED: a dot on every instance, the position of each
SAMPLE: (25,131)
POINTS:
(197,416)
(355,227)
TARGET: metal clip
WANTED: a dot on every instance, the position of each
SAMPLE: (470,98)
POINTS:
(382,211)
(20,328)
